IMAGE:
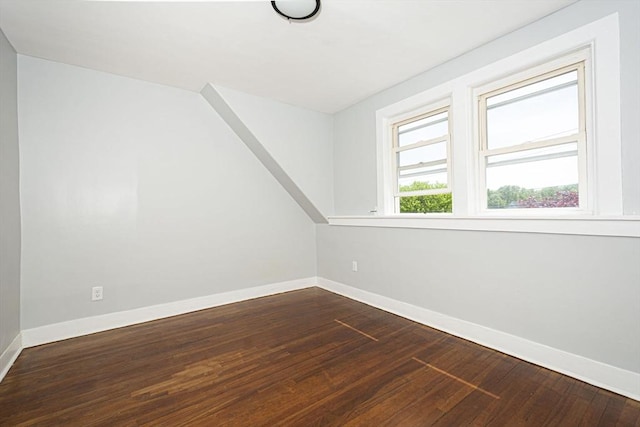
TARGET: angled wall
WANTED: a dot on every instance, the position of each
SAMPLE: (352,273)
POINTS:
(222,108)
(142,189)
(299,140)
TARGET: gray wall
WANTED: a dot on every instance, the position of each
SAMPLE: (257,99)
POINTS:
(576,293)
(355,128)
(9,197)
(142,189)
(580,294)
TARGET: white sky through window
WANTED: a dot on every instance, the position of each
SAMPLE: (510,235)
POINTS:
(540,111)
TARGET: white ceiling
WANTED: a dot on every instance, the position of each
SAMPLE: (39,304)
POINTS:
(353,49)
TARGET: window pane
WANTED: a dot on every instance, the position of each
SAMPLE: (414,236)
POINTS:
(427,153)
(426,204)
(543,110)
(423,182)
(542,178)
(423,129)
(423,168)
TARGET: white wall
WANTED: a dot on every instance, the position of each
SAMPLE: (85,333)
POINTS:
(9,199)
(580,294)
(298,139)
(142,189)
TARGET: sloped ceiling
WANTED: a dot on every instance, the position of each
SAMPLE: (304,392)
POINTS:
(353,49)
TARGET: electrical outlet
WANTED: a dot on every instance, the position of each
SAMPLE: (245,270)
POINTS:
(354,265)
(96,293)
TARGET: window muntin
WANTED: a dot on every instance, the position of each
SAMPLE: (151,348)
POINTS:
(421,166)
(532,137)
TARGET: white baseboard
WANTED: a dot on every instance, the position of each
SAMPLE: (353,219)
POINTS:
(609,377)
(89,325)
(626,383)
(10,355)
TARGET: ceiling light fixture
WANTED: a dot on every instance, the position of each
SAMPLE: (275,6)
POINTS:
(297,10)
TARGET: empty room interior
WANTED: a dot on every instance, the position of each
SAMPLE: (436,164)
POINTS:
(335,212)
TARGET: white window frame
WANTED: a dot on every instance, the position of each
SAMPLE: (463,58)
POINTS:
(579,61)
(397,121)
(601,39)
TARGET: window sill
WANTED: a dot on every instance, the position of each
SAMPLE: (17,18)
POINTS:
(622,226)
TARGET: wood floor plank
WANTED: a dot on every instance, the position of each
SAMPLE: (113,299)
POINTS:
(630,414)
(303,358)
(613,412)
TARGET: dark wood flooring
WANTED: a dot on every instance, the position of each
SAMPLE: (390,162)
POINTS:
(303,358)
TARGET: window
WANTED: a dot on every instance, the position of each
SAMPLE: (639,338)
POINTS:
(533,143)
(421,163)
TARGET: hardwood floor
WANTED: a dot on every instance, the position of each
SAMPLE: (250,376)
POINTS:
(304,358)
